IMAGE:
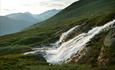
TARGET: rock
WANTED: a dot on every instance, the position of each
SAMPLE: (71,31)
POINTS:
(103,59)
(110,38)
(106,53)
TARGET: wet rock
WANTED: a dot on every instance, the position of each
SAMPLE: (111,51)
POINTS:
(110,38)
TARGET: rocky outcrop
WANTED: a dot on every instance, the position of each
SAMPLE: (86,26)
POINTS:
(106,54)
(110,38)
(100,51)
(103,59)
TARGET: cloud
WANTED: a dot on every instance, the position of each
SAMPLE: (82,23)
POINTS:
(57,3)
(32,6)
(65,2)
(51,4)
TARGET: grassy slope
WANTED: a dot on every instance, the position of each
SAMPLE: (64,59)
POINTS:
(95,12)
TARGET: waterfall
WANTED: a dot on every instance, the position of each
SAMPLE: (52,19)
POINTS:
(65,35)
(69,48)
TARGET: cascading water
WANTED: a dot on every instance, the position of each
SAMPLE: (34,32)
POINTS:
(65,35)
(69,48)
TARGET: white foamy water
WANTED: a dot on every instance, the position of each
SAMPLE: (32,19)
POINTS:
(66,34)
(69,48)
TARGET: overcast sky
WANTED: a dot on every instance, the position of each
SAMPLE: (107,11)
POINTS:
(32,6)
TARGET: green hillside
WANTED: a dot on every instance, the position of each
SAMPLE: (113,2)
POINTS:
(95,12)
(88,13)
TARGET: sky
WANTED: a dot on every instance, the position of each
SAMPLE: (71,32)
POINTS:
(32,6)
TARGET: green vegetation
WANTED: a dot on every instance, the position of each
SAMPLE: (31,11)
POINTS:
(89,13)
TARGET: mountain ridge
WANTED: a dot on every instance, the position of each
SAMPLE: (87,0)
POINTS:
(8,25)
(22,21)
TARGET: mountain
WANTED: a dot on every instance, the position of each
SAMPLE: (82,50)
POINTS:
(19,21)
(80,37)
(8,25)
(33,17)
(23,16)
(45,15)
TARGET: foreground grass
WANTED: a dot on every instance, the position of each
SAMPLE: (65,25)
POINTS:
(30,62)
(12,58)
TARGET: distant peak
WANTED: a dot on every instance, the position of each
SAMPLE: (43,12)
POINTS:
(27,13)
